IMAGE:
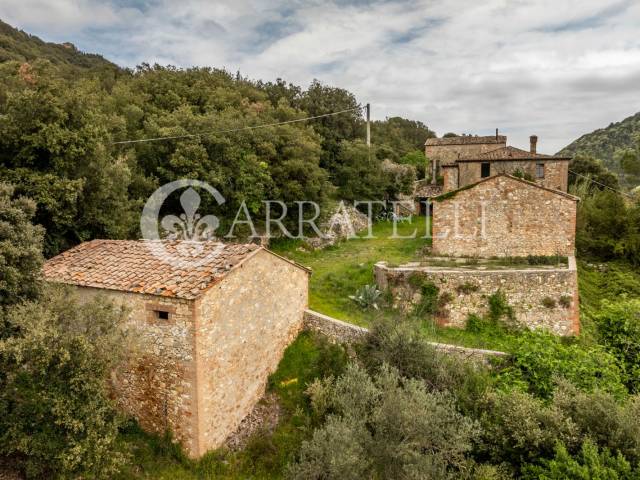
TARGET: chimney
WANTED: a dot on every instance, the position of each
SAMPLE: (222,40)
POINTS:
(533,140)
(496,134)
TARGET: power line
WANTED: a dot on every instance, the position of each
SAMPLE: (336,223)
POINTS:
(601,184)
(254,127)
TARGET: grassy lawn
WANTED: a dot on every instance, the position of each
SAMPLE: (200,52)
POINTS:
(339,270)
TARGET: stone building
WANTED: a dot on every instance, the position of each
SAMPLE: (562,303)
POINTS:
(502,216)
(444,151)
(208,335)
(461,161)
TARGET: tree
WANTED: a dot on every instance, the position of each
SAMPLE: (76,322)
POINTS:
(56,416)
(586,166)
(20,249)
(384,426)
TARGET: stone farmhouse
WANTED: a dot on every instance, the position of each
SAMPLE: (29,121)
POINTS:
(208,336)
(461,161)
(490,201)
(504,216)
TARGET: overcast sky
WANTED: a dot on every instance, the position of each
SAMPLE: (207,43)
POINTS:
(555,68)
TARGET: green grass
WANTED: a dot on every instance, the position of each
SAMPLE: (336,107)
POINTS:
(339,270)
(266,454)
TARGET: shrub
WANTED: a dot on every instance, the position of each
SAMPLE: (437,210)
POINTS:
(499,307)
(548,302)
(384,426)
(429,300)
(467,288)
(565,301)
(539,359)
(521,429)
(618,325)
(589,463)
(402,345)
(367,297)
(56,417)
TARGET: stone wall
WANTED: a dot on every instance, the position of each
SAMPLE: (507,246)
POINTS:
(450,178)
(527,290)
(445,154)
(347,333)
(244,325)
(556,173)
(159,387)
(504,216)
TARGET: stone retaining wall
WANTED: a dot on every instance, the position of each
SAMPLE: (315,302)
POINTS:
(529,291)
(343,332)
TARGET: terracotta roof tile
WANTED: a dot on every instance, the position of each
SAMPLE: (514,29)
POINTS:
(130,265)
(509,153)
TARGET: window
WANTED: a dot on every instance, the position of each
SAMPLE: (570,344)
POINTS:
(485,169)
(539,170)
(162,314)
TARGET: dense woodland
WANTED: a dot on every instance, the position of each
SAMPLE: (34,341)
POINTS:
(391,407)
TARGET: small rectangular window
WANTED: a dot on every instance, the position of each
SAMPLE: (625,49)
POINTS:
(539,170)
(485,169)
(162,315)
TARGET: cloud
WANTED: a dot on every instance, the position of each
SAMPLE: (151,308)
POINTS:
(557,69)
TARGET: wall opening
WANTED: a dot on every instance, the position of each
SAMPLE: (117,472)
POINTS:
(162,314)
(539,170)
(485,169)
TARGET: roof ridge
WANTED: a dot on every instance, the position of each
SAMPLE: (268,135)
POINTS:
(522,180)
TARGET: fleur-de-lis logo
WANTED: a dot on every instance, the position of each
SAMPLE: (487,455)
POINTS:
(190,225)
(192,230)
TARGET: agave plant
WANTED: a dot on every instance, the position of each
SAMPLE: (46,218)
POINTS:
(367,296)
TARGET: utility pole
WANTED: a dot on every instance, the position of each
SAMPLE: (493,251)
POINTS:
(368,107)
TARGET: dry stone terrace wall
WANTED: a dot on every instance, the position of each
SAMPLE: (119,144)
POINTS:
(503,216)
(526,291)
(159,387)
(244,325)
(346,333)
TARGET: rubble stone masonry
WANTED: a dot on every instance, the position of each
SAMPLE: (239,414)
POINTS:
(244,324)
(541,298)
(556,172)
(200,371)
(504,216)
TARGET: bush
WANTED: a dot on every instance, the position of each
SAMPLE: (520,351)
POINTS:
(588,464)
(56,417)
(565,301)
(521,429)
(384,426)
(548,302)
(618,325)
(539,359)
(402,345)
(499,307)
(467,288)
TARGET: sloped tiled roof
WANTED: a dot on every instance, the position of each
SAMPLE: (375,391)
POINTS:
(467,140)
(131,266)
(508,153)
(494,178)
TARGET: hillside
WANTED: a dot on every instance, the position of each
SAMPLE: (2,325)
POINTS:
(18,45)
(604,142)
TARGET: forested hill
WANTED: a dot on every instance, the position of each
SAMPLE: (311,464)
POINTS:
(607,143)
(63,112)
(18,45)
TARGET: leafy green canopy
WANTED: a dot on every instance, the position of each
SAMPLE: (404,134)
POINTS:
(57,134)
(56,417)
